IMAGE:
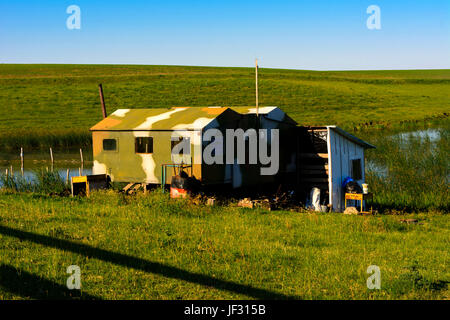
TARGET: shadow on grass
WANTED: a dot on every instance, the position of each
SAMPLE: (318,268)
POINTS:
(413,280)
(27,285)
(143,265)
(394,208)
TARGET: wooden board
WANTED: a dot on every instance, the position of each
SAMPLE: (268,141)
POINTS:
(314,155)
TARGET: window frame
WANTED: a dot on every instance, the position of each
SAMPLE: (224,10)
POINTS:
(116,145)
(352,167)
(136,145)
(174,143)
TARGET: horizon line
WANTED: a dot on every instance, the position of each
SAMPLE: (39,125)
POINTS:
(216,66)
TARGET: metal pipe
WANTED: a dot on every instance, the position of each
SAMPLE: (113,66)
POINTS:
(102,99)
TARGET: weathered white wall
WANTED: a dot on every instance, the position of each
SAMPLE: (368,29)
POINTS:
(341,152)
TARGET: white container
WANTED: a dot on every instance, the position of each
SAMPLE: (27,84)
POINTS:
(365,188)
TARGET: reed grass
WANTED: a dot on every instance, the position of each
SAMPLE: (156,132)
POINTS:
(43,182)
(412,172)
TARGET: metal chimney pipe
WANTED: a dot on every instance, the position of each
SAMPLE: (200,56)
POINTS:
(102,99)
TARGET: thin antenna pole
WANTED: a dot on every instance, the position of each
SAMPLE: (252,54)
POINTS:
(256,75)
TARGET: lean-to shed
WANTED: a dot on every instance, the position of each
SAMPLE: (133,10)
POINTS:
(328,155)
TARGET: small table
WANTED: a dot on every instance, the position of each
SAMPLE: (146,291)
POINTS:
(359,197)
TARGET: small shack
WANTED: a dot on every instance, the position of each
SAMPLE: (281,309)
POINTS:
(135,146)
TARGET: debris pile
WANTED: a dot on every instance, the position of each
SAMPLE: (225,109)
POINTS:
(351,210)
(258,203)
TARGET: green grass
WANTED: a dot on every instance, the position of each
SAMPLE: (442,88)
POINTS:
(58,103)
(151,247)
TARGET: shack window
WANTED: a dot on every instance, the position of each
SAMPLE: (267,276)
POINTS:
(356,169)
(144,145)
(109,144)
(186,141)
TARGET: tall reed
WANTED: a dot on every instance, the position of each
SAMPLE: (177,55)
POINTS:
(43,181)
(410,172)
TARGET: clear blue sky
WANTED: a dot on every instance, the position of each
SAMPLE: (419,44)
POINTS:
(314,34)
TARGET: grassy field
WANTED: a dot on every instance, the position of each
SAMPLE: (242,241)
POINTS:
(55,105)
(156,248)
(136,247)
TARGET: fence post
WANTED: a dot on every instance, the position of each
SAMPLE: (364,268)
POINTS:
(21,161)
(51,157)
(81,156)
(82,161)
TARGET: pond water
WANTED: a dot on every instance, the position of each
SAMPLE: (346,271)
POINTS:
(432,134)
(422,149)
(376,168)
(404,138)
(41,161)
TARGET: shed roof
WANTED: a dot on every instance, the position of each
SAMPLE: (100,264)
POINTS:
(187,118)
(351,137)
(176,118)
(345,134)
(271,113)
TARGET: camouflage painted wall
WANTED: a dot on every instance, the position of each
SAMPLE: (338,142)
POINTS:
(125,125)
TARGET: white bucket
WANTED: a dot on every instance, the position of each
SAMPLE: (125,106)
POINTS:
(365,188)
